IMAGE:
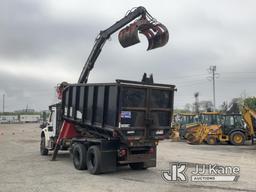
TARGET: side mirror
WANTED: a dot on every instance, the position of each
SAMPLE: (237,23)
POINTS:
(43,125)
(50,128)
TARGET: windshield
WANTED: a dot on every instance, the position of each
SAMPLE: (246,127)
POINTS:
(211,119)
(235,120)
(186,119)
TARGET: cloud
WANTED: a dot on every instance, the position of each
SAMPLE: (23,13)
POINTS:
(45,42)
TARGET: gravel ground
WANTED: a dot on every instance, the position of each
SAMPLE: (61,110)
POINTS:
(23,169)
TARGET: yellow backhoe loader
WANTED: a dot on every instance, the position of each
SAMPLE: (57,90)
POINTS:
(232,128)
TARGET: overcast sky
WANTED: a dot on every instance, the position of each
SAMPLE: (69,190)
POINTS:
(43,43)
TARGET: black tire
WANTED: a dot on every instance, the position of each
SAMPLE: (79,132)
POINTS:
(192,140)
(94,160)
(43,150)
(211,140)
(79,156)
(237,138)
(137,166)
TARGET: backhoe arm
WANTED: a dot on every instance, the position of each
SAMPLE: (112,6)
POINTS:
(249,116)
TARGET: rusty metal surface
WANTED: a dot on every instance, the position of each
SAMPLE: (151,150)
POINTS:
(156,33)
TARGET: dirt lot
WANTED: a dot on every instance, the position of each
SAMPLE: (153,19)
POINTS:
(23,169)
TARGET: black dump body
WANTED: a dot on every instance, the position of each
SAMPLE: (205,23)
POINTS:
(128,110)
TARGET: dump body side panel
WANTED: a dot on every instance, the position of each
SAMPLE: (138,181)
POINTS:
(135,111)
(91,105)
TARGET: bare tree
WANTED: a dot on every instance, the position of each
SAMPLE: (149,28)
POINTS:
(188,107)
(206,105)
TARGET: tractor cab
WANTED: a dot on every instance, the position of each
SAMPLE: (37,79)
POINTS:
(211,118)
(185,120)
(233,122)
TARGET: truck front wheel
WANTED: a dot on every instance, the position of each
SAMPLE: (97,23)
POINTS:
(79,156)
(94,160)
(43,150)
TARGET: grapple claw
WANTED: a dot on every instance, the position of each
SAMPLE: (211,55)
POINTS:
(160,37)
(129,35)
(156,33)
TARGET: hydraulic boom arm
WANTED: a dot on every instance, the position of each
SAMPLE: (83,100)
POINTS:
(156,33)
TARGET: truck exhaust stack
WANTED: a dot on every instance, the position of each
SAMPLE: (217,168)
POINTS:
(156,33)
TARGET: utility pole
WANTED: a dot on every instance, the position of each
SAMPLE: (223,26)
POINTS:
(196,102)
(3,102)
(214,75)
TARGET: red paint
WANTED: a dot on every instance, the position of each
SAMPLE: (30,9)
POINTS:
(151,150)
(67,131)
(122,152)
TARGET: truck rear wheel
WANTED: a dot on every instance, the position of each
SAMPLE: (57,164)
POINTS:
(43,150)
(237,138)
(94,160)
(79,156)
(137,166)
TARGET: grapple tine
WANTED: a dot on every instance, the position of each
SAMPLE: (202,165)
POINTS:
(129,36)
(156,33)
(160,37)
(149,34)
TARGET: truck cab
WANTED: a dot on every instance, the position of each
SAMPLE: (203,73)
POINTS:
(50,130)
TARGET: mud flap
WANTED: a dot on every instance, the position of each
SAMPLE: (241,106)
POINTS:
(108,156)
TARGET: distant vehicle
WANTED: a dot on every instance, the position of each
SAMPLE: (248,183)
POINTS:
(232,128)
(210,118)
(185,120)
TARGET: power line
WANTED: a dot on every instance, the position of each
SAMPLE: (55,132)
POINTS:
(246,72)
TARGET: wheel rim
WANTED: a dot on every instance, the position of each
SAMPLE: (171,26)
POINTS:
(211,141)
(238,138)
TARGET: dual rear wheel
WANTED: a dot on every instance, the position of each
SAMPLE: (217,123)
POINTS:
(87,159)
(90,159)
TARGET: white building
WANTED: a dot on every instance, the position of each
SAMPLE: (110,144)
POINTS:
(9,119)
(29,118)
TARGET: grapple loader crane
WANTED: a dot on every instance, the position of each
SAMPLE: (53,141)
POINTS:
(109,124)
(156,33)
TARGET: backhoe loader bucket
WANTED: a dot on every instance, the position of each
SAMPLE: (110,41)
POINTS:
(197,134)
(156,33)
